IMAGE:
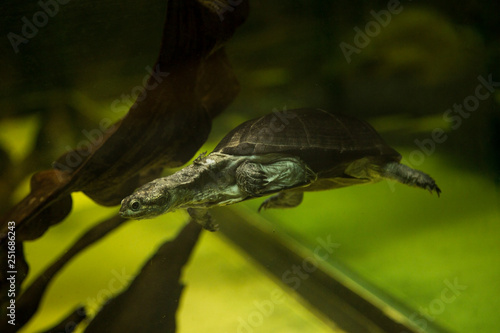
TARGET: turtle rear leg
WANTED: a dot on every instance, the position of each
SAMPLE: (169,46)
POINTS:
(406,175)
(285,199)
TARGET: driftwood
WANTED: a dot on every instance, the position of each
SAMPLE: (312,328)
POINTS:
(190,84)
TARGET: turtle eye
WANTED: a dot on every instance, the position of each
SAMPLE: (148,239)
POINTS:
(135,205)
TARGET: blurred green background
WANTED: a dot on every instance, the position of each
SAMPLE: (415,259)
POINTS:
(400,241)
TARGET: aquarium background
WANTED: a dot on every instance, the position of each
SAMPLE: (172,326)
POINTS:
(413,72)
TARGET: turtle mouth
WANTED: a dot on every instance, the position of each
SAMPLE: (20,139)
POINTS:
(124,211)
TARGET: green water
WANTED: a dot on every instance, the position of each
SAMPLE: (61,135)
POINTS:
(409,243)
(436,256)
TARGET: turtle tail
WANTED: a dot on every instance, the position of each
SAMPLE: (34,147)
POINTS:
(406,175)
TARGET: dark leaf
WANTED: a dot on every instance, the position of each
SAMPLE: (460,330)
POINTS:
(191,83)
(30,299)
(48,201)
(150,302)
(208,23)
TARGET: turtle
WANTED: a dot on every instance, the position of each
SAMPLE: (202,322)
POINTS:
(282,154)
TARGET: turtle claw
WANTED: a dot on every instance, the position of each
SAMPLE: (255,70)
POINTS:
(264,205)
(431,186)
(435,188)
(431,190)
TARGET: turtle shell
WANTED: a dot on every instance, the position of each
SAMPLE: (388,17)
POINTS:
(323,140)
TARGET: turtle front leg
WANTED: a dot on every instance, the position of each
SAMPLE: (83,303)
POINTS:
(273,175)
(203,217)
(285,199)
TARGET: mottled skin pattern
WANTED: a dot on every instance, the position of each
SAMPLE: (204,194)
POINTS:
(312,150)
(217,180)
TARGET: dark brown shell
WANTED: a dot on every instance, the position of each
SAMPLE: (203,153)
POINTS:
(323,140)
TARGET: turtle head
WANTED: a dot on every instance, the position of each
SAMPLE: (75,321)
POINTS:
(147,202)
